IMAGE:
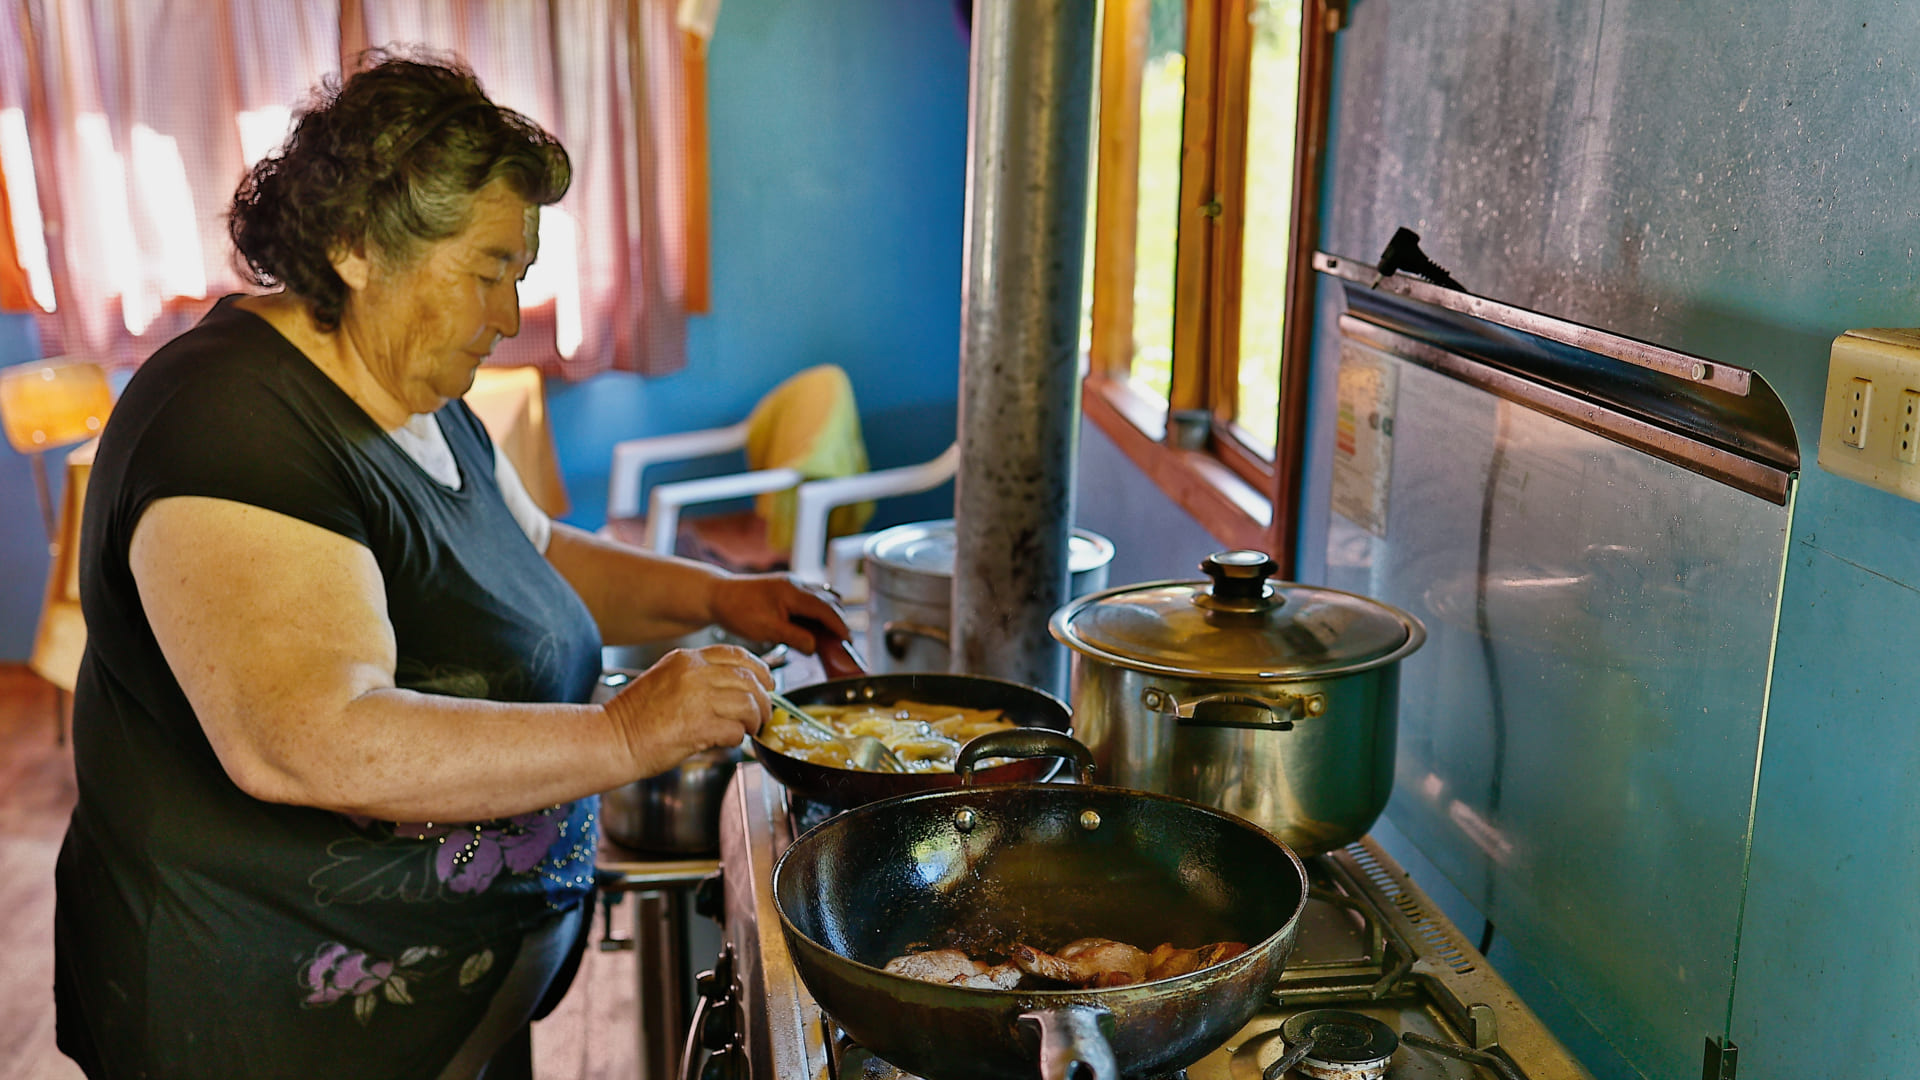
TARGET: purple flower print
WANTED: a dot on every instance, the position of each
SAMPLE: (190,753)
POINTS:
(337,971)
(469,861)
(531,836)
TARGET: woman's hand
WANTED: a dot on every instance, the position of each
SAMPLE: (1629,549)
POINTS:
(775,607)
(692,700)
(639,596)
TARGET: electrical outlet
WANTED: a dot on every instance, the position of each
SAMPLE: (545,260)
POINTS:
(1859,410)
(1906,441)
(1870,429)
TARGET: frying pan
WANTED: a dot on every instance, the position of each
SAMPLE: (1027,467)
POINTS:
(839,788)
(980,868)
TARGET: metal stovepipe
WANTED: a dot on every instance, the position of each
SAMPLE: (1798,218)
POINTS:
(1030,104)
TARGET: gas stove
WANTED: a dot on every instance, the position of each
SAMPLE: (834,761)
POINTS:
(1379,986)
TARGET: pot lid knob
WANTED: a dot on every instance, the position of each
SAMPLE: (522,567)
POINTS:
(1239,582)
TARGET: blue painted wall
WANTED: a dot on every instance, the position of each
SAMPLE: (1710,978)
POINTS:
(23,540)
(838,180)
(1732,180)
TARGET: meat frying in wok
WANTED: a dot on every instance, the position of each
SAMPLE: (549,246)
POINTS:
(1088,963)
(955,968)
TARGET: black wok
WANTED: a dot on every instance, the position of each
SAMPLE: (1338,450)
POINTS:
(839,788)
(980,868)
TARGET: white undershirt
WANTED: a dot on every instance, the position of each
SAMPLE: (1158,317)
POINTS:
(426,444)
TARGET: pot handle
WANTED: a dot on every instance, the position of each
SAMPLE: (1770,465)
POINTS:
(1235,709)
(835,653)
(898,636)
(1073,1043)
(1023,742)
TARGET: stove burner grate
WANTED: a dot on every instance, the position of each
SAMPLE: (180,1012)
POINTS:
(1334,1044)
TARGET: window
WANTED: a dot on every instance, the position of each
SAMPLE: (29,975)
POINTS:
(1212,123)
(119,162)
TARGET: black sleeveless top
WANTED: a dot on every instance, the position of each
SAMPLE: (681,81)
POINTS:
(202,932)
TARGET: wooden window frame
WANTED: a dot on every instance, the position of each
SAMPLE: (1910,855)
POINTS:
(1190,449)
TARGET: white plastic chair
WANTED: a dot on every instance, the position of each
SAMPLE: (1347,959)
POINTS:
(815,500)
(664,504)
(818,498)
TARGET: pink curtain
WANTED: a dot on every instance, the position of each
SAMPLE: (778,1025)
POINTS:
(141,115)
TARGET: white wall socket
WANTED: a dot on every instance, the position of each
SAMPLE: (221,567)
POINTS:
(1870,430)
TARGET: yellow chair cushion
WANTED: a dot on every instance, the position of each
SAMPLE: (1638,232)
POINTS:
(809,424)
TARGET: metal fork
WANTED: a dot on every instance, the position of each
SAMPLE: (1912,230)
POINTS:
(867,753)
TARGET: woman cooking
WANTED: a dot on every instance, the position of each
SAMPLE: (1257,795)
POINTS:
(335,778)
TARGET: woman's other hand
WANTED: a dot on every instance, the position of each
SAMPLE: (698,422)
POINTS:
(775,607)
(692,700)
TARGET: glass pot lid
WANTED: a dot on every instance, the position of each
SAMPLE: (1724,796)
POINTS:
(1237,625)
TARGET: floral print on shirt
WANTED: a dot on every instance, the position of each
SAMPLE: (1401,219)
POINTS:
(424,861)
(335,971)
(544,857)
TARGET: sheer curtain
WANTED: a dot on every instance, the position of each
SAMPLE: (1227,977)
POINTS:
(136,118)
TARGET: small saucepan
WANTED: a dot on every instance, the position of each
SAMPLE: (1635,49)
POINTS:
(678,811)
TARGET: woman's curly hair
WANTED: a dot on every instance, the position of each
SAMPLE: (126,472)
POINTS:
(389,159)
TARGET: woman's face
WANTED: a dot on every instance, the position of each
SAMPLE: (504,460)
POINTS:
(423,329)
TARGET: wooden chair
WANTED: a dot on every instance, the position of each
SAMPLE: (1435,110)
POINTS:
(44,406)
(50,404)
(511,403)
(61,636)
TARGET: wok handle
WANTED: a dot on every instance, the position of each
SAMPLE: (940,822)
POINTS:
(1236,710)
(1073,1043)
(1023,742)
(835,653)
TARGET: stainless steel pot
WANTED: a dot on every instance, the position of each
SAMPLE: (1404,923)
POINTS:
(678,811)
(1273,701)
(909,572)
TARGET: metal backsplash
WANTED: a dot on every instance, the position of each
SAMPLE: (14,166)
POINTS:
(1597,560)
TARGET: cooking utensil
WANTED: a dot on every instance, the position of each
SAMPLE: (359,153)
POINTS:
(839,788)
(867,752)
(1274,701)
(676,812)
(975,867)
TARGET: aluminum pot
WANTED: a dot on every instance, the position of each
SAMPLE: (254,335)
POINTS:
(909,571)
(1273,701)
(678,811)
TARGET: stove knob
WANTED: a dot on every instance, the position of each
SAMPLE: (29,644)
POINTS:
(717,1026)
(727,1064)
(718,1031)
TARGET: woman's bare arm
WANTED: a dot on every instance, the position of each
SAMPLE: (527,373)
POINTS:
(277,633)
(640,596)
